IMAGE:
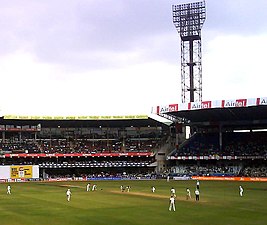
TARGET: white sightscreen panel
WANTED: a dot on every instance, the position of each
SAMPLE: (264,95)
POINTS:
(4,172)
(35,171)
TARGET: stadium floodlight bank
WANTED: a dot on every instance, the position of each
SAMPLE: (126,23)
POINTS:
(188,20)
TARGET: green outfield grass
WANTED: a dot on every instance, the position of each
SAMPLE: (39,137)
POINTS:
(40,203)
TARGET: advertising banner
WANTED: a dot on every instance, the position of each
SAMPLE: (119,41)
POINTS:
(126,117)
(115,154)
(261,179)
(17,172)
(230,103)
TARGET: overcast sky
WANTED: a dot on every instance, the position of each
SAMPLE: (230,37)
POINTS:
(121,57)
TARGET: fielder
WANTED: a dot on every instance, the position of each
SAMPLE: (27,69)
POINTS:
(241,190)
(88,187)
(122,188)
(172,203)
(68,193)
(8,189)
(198,184)
(94,188)
(128,188)
(188,194)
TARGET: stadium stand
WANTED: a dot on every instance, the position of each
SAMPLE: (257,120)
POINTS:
(233,144)
(224,141)
(73,147)
(227,138)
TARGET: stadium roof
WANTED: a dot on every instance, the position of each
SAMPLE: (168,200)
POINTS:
(90,121)
(252,110)
(224,114)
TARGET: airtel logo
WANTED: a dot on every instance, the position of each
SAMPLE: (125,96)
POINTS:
(236,103)
(168,108)
(199,105)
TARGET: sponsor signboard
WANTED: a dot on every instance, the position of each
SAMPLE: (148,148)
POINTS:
(167,108)
(126,117)
(261,179)
(232,103)
(17,172)
(37,155)
(199,105)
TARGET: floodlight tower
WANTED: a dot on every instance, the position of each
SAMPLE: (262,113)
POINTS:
(188,20)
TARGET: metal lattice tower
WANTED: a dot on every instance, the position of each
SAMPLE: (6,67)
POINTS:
(188,20)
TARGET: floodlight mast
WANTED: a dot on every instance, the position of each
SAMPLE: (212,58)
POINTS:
(188,20)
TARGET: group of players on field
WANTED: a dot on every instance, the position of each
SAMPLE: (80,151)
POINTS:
(153,189)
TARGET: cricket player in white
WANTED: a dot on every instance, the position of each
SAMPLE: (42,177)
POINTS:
(241,190)
(188,194)
(128,188)
(94,187)
(68,193)
(172,203)
(8,189)
(173,192)
(153,189)
(88,187)
(198,184)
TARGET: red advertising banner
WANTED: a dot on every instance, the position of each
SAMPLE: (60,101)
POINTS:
(230,103)
(262,179)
